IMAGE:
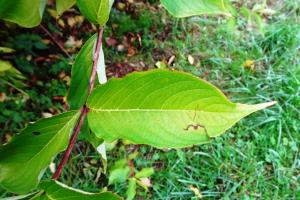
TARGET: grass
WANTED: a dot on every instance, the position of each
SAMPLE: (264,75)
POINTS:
(256,159)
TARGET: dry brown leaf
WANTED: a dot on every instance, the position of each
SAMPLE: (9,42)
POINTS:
(191,59)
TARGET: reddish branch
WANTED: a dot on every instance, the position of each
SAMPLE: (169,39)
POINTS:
(84,109)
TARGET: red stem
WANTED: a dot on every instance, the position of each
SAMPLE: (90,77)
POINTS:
(84,110)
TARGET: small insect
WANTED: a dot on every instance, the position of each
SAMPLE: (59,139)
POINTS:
(195,127)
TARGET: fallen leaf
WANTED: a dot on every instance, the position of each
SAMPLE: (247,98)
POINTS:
(46,115)
(191,59)
(111,42)
(131,51)
(196,192)
(146,182)
(120,47)
(249,64)
(171,60)
(2,97)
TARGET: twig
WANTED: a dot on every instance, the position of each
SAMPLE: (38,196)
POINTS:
(55,41)
(12,85)
(84,109)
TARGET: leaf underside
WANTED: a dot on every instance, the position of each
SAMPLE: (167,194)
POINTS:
(23,160)
(164,109)
(81,72)
(187,8)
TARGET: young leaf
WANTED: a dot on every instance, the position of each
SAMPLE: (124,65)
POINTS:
(164,109)
(131,190)
(23,161)
(64,5)
(96,11)
(54,190)
(145,173)
(81,72)
(26,13)
(187,8)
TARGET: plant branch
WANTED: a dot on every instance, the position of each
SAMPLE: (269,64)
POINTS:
(84,109)
(55,41)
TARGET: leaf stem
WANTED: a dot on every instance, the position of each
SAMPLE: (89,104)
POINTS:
(84,109)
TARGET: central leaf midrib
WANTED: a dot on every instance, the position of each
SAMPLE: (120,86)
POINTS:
(154,110)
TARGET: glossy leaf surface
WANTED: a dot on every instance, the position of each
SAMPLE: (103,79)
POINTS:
(163,109)
(23,160)
(26,13)
(96,11)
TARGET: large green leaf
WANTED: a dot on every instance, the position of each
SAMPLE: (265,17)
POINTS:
(96,11)
(187,8)
(23,161)
(27,13)
(64,5)
(54,190)
(164,109)
(81,72)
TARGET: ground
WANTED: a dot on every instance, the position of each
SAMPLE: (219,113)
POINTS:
(256,159)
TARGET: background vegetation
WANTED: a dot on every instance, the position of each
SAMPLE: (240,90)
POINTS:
(252,61)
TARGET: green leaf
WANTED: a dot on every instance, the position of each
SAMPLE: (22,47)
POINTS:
(187,8)
(145,173)
(164,109)
(5,66)
(24,197)
(6,50)
(131,190)
(26,13)
(81,72)
(54,190)
(64,5)
(96,11)
(24,160)
(119,172)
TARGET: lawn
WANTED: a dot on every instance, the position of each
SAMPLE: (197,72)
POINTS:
(257,159)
